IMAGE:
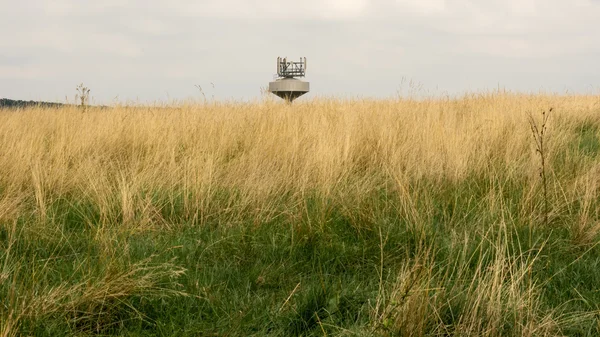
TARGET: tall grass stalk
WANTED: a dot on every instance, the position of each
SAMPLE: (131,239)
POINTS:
(539,134)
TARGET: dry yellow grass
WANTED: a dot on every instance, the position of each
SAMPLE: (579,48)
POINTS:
(262,149)
(273,155)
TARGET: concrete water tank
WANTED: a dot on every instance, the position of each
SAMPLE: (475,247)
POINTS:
(287,85)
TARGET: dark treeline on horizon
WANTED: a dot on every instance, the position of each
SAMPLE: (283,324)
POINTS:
(9,103)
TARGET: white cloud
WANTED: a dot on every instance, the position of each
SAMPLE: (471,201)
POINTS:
(110,43)
(58,7)
(270,9)
(340,8)
(422,6)
(136,48)
(74,7)
(73,41)
(30,72)
(150,26)
(521,17)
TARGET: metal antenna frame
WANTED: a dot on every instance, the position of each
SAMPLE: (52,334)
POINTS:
(291,69)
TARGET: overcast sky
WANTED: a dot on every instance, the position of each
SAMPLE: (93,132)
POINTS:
(150,50)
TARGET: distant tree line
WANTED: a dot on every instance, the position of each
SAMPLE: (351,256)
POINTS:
(10,103)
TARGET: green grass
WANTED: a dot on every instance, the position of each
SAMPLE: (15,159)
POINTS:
(321,272)
(588,141)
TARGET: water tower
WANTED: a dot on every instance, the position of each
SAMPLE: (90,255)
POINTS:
(287,85)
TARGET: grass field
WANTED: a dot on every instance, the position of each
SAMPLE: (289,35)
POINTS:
(327,217)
